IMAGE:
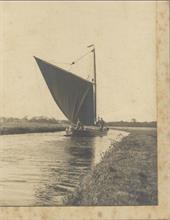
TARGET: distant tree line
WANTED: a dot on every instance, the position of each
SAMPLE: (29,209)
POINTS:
(39,119)
(133,123)
(43,119)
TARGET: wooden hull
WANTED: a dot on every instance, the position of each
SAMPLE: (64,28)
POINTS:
(87,132)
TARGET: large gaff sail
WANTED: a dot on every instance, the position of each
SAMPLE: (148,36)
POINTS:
(73,94)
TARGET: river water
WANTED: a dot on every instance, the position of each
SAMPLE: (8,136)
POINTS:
(40,169)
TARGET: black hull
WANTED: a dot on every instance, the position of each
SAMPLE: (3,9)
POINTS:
(87,133)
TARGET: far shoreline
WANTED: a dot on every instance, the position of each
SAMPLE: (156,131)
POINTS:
(14,126)
(51,128)
(30,127)
(32,132)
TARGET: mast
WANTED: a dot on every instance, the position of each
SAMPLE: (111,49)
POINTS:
(95,84)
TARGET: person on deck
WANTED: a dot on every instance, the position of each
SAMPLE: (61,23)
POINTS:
(79,125)
(98,121)
(101,124)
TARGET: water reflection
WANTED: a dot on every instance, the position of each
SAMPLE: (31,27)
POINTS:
(77,159)
(39,169)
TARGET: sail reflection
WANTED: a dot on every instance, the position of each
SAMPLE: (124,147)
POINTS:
(64,176)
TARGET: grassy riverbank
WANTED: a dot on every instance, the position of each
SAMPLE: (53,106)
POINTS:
(23,127)
(126,175)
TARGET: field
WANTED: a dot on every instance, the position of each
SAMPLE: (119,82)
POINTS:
(22,127)
(126,175)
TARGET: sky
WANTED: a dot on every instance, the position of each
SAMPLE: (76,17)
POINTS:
(59,32)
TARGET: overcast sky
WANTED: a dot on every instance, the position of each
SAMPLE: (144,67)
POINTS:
(59,32)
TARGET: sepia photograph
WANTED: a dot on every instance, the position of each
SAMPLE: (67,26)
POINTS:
(78,104)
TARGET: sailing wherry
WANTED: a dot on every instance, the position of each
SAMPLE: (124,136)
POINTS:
(75,96)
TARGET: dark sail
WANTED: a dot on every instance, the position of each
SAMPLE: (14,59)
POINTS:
(73,95)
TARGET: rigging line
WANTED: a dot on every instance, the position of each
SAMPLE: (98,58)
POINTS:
(81,57)
(78,59)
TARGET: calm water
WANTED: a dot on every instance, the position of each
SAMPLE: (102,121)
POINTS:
(40,169)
